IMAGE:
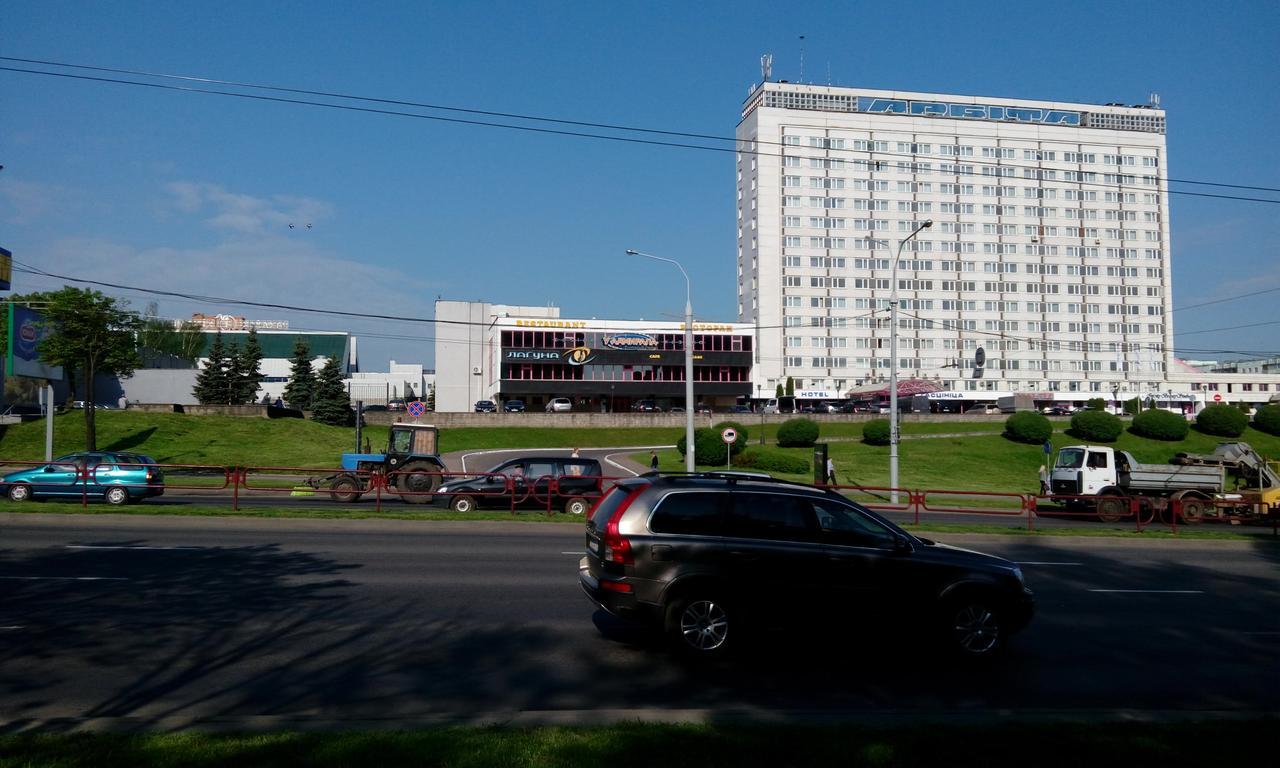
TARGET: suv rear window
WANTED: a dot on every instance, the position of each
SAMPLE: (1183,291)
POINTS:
(689,513)
(609,504)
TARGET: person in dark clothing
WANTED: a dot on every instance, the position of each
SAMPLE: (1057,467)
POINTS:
(653,460)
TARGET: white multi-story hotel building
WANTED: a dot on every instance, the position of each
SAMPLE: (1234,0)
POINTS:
(1049,248)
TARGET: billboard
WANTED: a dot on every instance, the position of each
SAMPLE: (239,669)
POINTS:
(27,328)
(6,269)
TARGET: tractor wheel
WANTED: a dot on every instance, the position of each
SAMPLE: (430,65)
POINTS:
(415,487)
(345,490)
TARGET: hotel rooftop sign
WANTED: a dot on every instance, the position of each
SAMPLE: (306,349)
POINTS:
(968,111)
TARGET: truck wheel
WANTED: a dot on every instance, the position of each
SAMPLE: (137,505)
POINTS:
(1195,509)
(1112,509)
(415,487)
(576,506)
(345,490)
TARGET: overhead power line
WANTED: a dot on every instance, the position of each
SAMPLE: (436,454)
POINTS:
(517,116)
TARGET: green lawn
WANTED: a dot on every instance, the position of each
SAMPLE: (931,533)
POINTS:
(995,745)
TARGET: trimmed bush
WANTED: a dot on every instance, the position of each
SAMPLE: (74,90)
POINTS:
(797,433)
(1096,426)
(876,432)
(1159,424)
(1267,419)
(708,448)
(1028,427)
(1096,404)
(766,460)
(1132,405)
(1222,420)
(740,444)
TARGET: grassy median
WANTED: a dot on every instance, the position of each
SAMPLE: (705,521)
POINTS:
(1068,745)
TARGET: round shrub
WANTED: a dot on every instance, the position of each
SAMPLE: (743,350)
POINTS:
(1028,427)
(876,432)
(1132,405)
(1159,424)
(1222,420)
(797,433)
(1096,404)
(766,460)
(740,444)
(1267,419)
(1096,426)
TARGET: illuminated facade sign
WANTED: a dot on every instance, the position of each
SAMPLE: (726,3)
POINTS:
(969,111)
(630,341)
(551,323)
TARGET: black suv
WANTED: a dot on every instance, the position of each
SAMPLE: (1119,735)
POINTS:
(705,555)
(531,482)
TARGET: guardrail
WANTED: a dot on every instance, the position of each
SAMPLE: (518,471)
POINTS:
(579,493)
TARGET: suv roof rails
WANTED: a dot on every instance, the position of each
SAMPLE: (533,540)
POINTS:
(723,474)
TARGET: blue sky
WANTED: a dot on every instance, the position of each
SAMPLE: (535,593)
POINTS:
(193,193)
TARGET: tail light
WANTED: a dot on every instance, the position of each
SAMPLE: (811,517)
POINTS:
(617,548)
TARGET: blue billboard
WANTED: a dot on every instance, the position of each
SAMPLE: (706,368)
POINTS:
(27,328)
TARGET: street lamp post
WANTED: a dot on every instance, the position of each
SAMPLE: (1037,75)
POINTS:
(893,364)
(688,357)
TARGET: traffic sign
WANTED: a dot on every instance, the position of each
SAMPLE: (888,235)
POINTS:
(416,408)
(1217,397)
(729,435)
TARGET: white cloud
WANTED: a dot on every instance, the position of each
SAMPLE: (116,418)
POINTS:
(22,202)
(246,214)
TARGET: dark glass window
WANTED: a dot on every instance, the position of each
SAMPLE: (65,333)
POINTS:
(688,513)
(773,516)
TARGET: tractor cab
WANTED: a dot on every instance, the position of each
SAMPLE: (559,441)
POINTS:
(410,441)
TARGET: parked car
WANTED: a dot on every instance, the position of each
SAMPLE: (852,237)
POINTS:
(1058,410)
(395,404)
(486,406)
(740,409)
(513,406)
(559,405)
(526,483)
(648,406)
(116,477)
(655,555)
(984,409)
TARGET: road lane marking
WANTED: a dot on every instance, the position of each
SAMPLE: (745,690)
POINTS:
(14,626)
(64,578)
(576,552)
(139,547)
(1152,591)
(1031,563)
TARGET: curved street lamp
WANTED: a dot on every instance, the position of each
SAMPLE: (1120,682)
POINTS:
(893,365)
(688,356)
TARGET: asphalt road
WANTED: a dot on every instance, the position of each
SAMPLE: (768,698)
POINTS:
(125,621)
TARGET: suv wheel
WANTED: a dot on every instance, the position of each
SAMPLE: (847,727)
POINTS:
(463,504)
(974,625)
(699,625)
(576,506)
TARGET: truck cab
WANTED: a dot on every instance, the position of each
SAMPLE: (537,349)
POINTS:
(1084,470)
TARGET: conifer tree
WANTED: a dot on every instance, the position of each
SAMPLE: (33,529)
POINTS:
(249,369)
(212,381)
(330,403)
(299,390)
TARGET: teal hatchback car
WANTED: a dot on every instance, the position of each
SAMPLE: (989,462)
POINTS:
(116,477)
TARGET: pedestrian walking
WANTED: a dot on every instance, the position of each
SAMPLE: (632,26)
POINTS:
(653,461)
(831,471)
(574,455)
(1044,481)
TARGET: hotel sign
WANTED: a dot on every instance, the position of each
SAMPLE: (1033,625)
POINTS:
(969,111)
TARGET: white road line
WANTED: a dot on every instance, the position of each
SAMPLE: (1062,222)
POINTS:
(1031,563)
(578,552)
(103,546)
(63,578)
(1151,591)
(15,626)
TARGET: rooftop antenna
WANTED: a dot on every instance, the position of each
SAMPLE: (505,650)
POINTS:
(828,72)
(766,66)
(1154,99)
(802,58)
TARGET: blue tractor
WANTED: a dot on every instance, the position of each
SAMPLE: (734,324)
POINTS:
(411,466)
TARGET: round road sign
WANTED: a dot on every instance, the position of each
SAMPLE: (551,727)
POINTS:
(729,435)
(416,408)
(1217,397)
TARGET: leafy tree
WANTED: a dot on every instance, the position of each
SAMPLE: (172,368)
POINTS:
(791,387)
(330,402)
(93,333)
(213,382)
(248,369)
(159,338)
(299,390)
(431,399)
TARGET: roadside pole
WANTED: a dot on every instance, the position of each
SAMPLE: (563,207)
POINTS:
(47,392)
